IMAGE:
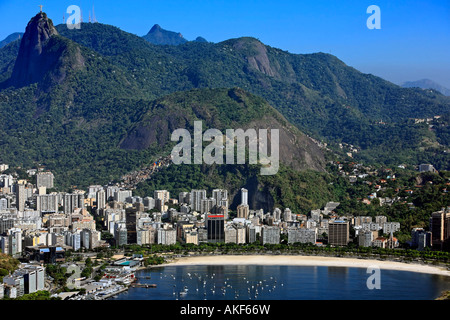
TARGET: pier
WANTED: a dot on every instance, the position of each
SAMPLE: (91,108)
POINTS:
(143,285)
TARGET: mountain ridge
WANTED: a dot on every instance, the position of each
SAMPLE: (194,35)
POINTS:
(84,118)
(426,84)
(160,36)
(11,38)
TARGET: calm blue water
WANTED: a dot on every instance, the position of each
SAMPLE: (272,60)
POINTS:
(281,283)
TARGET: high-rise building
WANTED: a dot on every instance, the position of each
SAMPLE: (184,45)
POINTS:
(220,196)
(122,195)
(276,214)
(183,197)
(101,199)
(44,179)
(164,195)
(251,232)
(440,229)
(120,233)
(365,238)
(244,196)
(287,215)
(29,279)
(145,236)
(149,203)
(47,203)
(230,234)
(111,192)
(7,222)
(166,236)
(4,204)
(17,282)
(242,211)
(420,238)
(14,241)
(338,233)
(73,239)
(131,218)
(215,226)
(20,197)
(73,201)
(235,234)
(389,227)
(33,278)
(302,235)
(206,205)
(196,199)
(358,221)
(270,235)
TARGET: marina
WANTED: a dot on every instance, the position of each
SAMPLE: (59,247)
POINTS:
(280,283)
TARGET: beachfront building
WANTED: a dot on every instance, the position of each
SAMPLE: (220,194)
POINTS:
(215,226)
(302,235)
(338,233)
(270,235)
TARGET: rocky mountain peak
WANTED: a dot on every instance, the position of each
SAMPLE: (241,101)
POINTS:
(29,66)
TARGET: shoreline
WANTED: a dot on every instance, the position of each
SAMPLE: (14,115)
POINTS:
(290,260)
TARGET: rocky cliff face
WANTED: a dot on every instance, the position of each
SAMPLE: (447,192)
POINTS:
(31,65)
(43,54)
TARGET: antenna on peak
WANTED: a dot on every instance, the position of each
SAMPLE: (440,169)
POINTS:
(94,19)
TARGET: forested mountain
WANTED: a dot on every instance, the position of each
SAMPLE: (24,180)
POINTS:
(426,84)
(76,111)
(12,37)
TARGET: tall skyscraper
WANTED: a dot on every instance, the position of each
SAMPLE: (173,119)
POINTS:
(131,217)
(101,199)
(196,199)
(244,196)
(20,197)
(72,201)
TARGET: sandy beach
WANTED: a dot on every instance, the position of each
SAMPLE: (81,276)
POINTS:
(288,260)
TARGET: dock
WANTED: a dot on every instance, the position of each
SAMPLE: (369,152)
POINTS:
(143,285)
(107,296)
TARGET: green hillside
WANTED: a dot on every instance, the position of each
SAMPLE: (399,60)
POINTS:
(103,84)
(318,93)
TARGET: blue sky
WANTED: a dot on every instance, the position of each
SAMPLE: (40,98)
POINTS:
(413,42)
